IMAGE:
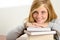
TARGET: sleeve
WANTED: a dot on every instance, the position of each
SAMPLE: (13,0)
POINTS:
(13,34)
(56,27)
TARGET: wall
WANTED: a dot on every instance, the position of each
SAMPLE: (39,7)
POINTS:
(12,16)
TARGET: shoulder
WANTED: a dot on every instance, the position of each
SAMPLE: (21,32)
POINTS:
(56,20)
(55,24)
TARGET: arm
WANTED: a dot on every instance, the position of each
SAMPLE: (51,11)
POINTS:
(56,27)
(13,34)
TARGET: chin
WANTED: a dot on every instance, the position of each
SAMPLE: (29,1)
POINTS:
(40,22)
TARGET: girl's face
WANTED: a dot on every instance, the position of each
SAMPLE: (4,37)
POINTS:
(40,14)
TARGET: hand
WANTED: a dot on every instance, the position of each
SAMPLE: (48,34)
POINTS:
(36,25)
(32,24)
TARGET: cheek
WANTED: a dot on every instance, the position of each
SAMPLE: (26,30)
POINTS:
(46,15)
(34,16)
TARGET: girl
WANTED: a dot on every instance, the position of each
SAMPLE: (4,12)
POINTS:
(41,15)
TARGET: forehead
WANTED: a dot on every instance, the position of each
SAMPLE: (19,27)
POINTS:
(41,8)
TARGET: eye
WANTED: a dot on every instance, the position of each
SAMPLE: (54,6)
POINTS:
(43,12)
(35,12)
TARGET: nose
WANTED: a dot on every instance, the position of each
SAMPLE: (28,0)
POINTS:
(39,15)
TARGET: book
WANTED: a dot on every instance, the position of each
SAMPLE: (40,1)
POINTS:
(41,37)
(47,35)
(40,33)
(33,29)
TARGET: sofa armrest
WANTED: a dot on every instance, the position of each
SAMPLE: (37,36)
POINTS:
(2,37)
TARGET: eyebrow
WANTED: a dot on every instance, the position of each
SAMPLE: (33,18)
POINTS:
(35,12)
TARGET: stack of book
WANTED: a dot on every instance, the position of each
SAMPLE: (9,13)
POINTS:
(40,33)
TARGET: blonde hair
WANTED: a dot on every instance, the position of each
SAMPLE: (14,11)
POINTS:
(47,4)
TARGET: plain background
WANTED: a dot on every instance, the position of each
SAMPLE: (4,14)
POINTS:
(13,13)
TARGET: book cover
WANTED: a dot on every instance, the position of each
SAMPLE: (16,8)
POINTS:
(40,33)
(32,29)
